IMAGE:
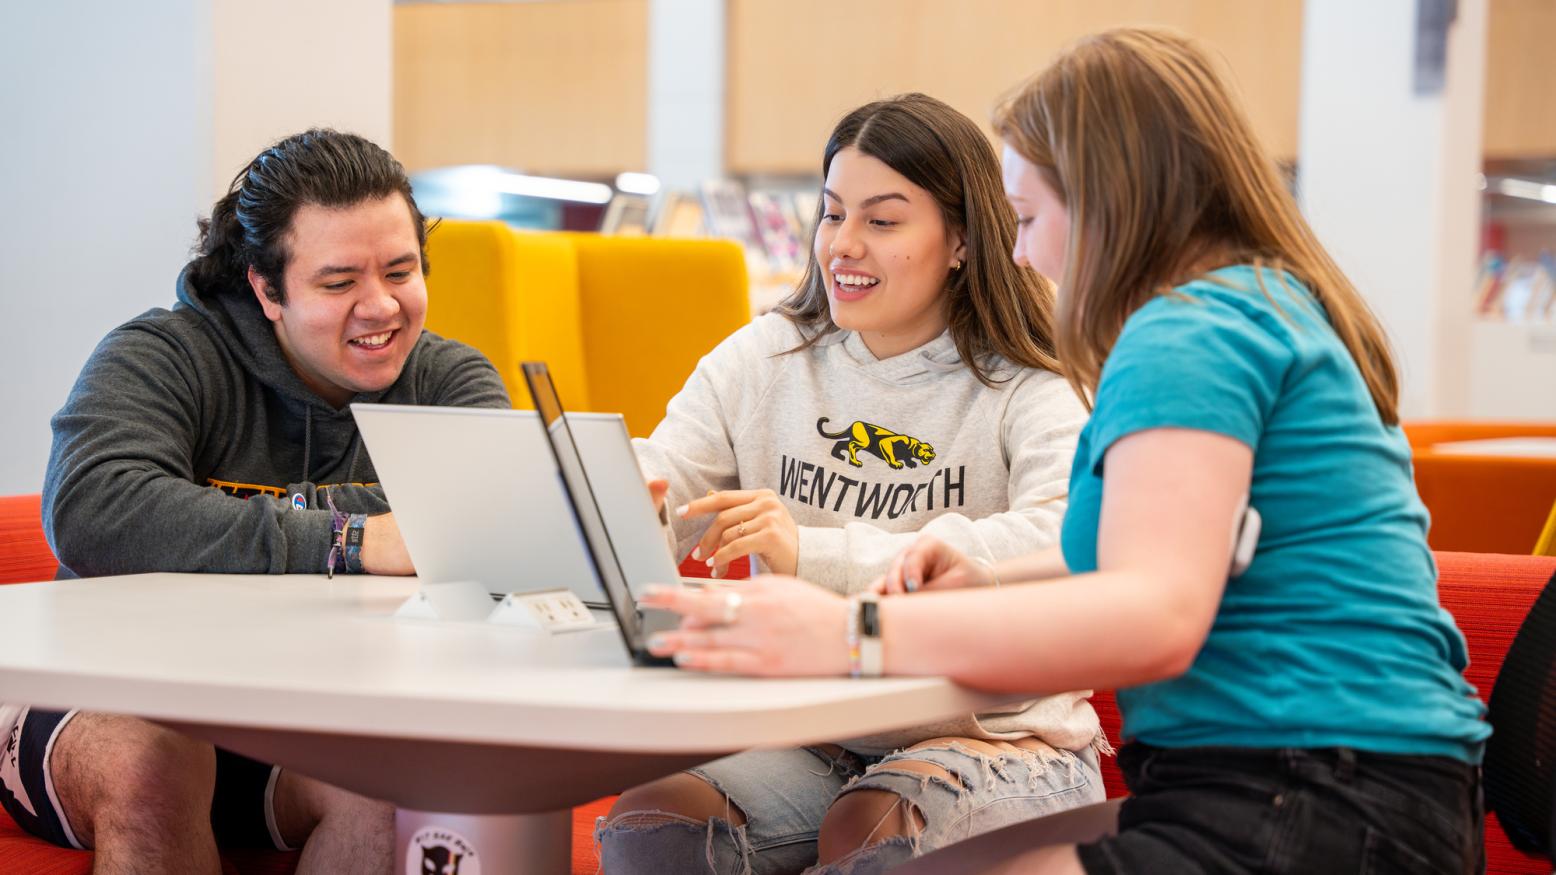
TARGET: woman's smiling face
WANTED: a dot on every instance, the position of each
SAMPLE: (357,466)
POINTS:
(885,253)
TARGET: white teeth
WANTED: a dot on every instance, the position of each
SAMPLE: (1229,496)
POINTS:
(373,340)
(852,280)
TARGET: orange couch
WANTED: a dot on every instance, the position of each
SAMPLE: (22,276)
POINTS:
(1482,504)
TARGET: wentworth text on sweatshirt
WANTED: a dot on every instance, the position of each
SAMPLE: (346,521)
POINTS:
(867,454)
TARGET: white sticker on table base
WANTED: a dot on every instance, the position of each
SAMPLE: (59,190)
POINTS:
(437,851)
(469,844)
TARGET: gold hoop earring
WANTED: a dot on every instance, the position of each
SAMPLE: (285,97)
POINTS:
(956,265)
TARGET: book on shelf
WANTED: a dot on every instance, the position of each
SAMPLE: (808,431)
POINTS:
(728,214)
(1517,290)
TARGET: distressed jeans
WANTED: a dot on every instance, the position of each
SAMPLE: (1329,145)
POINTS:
(785,794)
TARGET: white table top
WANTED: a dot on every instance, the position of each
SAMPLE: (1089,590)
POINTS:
(300,652)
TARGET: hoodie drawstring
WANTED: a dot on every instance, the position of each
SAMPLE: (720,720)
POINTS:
(307,439)
(356,448)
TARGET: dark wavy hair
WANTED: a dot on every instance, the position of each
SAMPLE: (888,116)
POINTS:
(993,307)
(248,226)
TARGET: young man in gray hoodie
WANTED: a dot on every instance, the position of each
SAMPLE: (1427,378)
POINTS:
(216,437)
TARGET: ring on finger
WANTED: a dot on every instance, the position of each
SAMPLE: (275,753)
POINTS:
(741,530)
(732,602)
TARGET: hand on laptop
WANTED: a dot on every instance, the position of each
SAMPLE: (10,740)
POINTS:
(930,563)
(775,626)
(383,550)
(746,522)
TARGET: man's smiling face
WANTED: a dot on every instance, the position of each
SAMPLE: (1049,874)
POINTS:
(356,299)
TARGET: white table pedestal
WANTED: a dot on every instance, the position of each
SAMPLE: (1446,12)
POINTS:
(428,843)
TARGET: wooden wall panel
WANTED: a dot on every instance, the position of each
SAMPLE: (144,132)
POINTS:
(796,66)
(1520,79)
(559,86)
(548,87)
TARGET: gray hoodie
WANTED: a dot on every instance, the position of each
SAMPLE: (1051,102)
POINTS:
(189,444)
(867,454)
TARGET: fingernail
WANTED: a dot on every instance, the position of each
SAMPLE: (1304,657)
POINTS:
(715,572)
(697,552)
(683,658)
(657,642)
(654,589)
(681,511)
(911,584)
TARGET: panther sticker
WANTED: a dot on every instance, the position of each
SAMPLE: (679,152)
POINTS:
(896,450)
(436,850)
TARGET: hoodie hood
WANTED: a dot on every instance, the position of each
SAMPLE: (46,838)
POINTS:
(933,359)
(238,323)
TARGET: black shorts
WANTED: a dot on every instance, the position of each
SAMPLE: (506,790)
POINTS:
(242,814)
(1234,810)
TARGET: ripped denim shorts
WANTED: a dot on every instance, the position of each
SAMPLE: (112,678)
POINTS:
(785,794)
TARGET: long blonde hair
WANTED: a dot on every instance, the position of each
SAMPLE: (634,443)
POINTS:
(1160,170)
(992,306)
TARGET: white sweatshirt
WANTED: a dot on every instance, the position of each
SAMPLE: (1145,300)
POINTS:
(866,454)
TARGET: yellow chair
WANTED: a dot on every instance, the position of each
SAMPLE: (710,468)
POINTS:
(513,296)
(1546,546)
(650,309)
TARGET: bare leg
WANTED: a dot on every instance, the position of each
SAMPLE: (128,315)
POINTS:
(339,831)
(682,794)
(137,794)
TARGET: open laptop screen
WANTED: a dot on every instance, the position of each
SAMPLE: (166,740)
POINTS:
(581,496)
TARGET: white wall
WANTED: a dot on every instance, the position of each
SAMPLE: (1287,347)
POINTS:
(283,66)
(122,124)
(686,91)
(105,155)
(1387,179)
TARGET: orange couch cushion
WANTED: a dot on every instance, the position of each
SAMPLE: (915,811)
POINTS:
(24,553)
(1482,504)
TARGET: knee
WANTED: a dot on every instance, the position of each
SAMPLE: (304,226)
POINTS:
(108,768)
(669,825)
(302,803)
(868,816)
(681,795)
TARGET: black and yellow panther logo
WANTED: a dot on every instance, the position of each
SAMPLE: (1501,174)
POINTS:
(894,449)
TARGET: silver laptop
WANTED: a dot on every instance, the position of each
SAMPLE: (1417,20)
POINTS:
(635,625)
(476,495)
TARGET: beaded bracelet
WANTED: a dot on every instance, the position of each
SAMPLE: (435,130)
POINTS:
(346,535)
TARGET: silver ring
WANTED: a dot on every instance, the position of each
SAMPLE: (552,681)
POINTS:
(732,602)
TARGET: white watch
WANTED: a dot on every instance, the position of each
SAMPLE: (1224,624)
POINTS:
(871,663)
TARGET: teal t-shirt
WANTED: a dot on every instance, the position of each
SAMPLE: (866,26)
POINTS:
(1333,637)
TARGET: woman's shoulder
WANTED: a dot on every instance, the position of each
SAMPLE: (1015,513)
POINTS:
(1043,392)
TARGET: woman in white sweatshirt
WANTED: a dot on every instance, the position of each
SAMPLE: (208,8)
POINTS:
(907,386)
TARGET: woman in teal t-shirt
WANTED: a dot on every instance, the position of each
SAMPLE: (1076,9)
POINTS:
(1304,711)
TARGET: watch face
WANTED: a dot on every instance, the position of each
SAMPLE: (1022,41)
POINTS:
(870,619)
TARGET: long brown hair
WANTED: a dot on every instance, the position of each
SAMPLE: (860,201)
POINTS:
(992,306)
(1160,170)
